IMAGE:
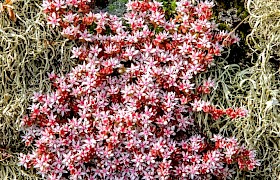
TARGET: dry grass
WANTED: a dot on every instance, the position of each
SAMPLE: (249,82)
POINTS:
(262,81)
(28,50)
(257,88)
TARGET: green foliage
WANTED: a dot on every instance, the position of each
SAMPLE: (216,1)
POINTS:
(117,7)
(169,6)
(92,28)
(224,26)
(159,29)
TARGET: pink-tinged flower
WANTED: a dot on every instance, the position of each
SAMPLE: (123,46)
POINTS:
(53,20)
(169,131)
(146,133)
(52,119)
(67,157)
(85,35)
(241,112)
(230,151)
(157,17)
(37,97)
(35,109)
(53,176)
(52,76)
(70,3)
(227,173)
(84,115)
(138,160)
(192,170)
(78,174)
(185,48)
(213,157)
(197,27)
(62,109)
(110,49)
(197,105)
(24,160)
(95,50)
(60,170)
(185,156)
(70,32)
(42,162)
(131,5)
(204,42)
(46,5)
(69,17)
(148,175)
(148,49)
(161,37)
(76,52)
(59,4)
(131,38)
(253,163)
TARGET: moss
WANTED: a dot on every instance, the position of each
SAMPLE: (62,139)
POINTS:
(224,26)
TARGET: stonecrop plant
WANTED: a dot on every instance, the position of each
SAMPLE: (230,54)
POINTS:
(127,111)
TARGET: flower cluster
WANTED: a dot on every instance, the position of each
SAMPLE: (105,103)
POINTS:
(127,111)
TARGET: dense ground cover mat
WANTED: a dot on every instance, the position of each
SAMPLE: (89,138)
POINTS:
(127,111)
